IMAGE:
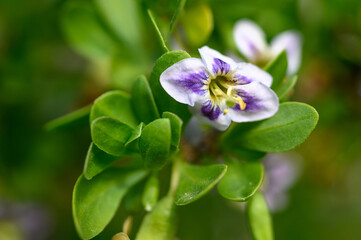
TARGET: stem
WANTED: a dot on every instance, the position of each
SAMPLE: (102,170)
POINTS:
(175,176)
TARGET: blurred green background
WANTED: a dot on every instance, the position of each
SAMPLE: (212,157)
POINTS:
(47,70)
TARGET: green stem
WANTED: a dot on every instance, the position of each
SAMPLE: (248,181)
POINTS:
(175,176)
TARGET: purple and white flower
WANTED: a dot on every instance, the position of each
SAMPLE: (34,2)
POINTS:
(251,42)
(219,90)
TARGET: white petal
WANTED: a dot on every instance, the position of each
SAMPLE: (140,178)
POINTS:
(253,73)
(250,39)
(185,81)
(291,41)
(216,62)
(261,103)
(221,123)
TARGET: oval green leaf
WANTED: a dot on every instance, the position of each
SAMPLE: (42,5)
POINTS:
(259,217)
(195,181)
(143,101)
(278,69)
(115,104)
(176,127)
(84,31)
(96,161)
(287,129)
(241,180)
(110,135)
(198,23)
(162,99)
(151,193)
(96,201)
(285,87)
(154,143)
(159,224)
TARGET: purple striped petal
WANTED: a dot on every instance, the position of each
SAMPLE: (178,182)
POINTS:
(291,41)
(250,39)
(261,103)
(247,72)
(216,63)
(186,80)
(211,114)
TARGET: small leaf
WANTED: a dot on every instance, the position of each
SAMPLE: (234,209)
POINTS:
(285,87)
(278,69)
(96,201)
(154,143)
(124,19)
(96,161)
(84,31)
(137,132)
(73,119)
(115,104)
(159,33)
(259,217)
(195,181)
(160,224)
(176,127)
(287,129)
(151,193)
(163,100)
(110,135)
(241,180)
(198,24)
(143,101)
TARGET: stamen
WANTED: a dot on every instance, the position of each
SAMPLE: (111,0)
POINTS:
(242,104)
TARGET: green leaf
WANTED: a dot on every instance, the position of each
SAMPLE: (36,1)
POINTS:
(162,99)
(159,33)
(96,161)
(198,24)
(110,135)
(96,201)
(159,224)
(124,19)
(176,127)
(115,104)
(195,181)
(151,193)
(143,101)
(154,143)
(137,132)
(285,87)
(259,217)
(241,180)
(278,69)
(287,129)
(84,31)
(178,10)
(73,119)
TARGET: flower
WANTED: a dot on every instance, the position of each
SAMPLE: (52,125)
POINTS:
(219,90)
(251,42)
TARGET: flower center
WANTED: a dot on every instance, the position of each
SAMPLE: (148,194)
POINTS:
(221,90)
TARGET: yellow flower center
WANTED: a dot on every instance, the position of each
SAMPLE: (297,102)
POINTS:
(222,89)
